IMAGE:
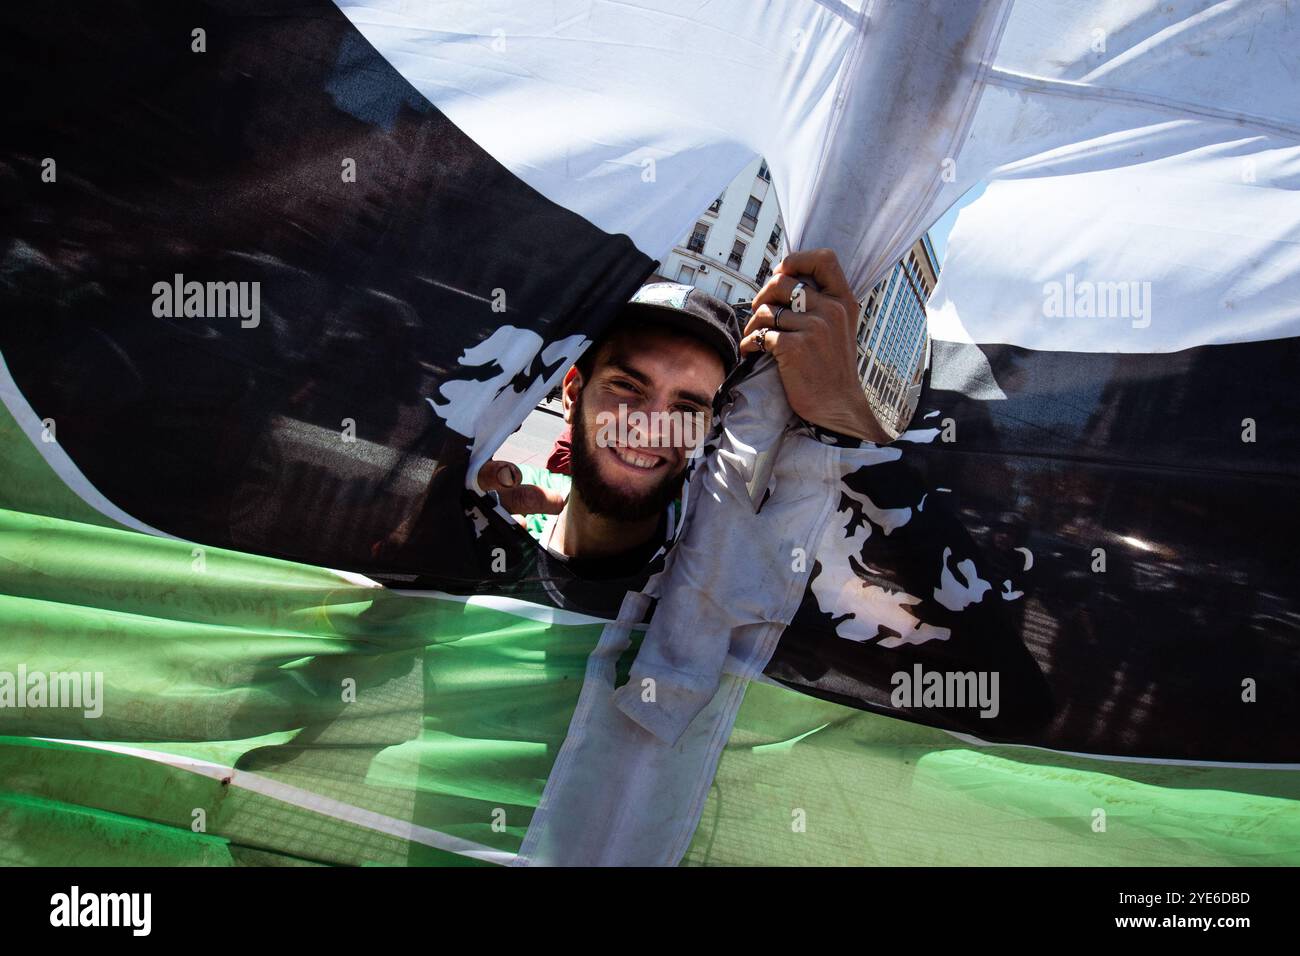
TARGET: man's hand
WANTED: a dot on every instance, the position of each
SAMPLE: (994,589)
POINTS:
(499,476)
(815,349)
(519,499)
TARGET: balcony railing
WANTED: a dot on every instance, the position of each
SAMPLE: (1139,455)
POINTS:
(748,222)
(733,261)
(695,243)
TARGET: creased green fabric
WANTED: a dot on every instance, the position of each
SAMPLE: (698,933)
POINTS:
(808,782)
(428,711)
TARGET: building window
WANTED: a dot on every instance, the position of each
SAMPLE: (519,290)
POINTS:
(774,240)
(764,173)
(764,271)
(724,291)
(686,275)
(749,219)
(737,255)
(717,204)
(696,242)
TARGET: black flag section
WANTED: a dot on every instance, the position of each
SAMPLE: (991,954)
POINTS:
(1131,522)
(267,291)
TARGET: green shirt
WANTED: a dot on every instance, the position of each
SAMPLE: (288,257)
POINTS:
(540,524)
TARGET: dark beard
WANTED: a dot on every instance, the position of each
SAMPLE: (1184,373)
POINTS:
(609,502)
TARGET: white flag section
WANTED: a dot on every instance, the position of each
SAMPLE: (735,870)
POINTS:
(874,116)
(1143,164)
(1194,249)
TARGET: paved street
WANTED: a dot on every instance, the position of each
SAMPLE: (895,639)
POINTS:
(532,443)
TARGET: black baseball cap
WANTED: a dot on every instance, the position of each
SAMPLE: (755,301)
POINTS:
(687,308)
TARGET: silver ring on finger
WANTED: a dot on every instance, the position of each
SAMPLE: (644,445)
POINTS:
(776,318)
(762,339)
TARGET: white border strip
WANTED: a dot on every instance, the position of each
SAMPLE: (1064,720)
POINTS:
(541,613)
(59,461)
(1160,761)
(298,797)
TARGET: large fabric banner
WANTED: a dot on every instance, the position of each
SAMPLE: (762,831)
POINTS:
(278,277)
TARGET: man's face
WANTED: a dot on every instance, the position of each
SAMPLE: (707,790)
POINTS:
(629,447)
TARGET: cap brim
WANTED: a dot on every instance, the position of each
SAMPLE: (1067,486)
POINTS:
(693,325)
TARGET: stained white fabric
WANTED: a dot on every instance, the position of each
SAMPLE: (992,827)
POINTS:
(618,795)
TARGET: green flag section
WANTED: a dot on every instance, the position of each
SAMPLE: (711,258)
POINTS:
(235,710)
(231,708)
(274,705)
(805,782)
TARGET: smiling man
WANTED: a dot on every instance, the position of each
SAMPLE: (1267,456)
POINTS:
(637,403)
(640,400)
